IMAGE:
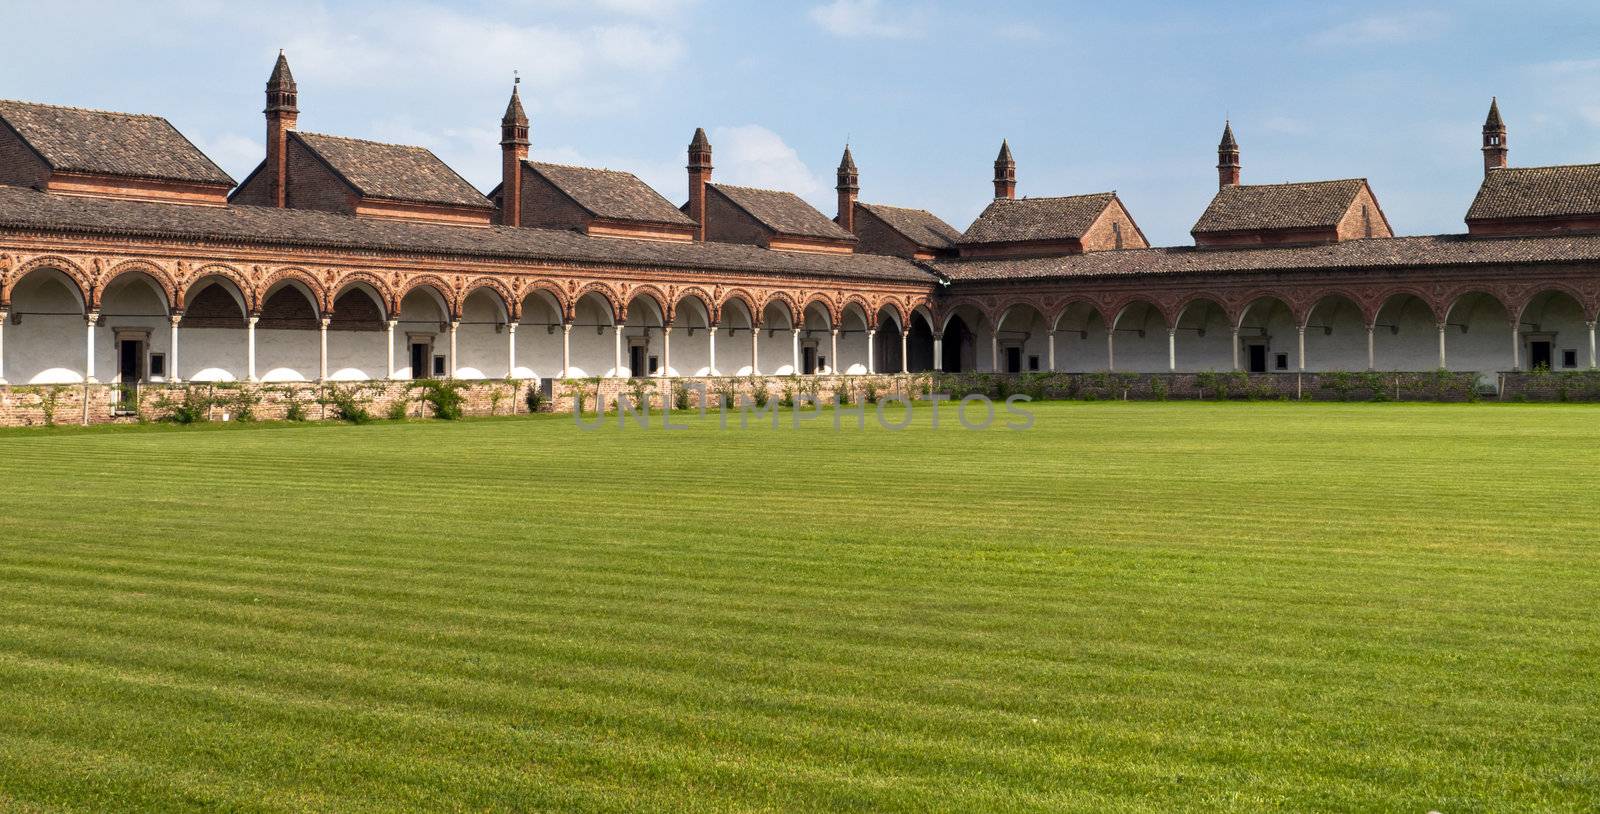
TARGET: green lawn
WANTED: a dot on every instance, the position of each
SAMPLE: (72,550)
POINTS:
(1131,607)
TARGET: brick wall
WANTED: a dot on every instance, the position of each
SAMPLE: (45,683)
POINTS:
(876,237)
(19,166)
(727,223)
(544,205)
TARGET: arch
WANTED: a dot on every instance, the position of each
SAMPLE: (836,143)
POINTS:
(438,288)
(707,302)
(829,307)
(225,309)
(1553,330)
(856,300)
(1079,308)
(508,301)
(1467,297)
(1021,337)
(1203,338)
(650,295)
(69,270)
(1521,308)
(304,280)
(287,313)
(547,295)
(789,305)
(603,298)
(1259,302)
(238,286)
(1405,332)
(1141,339)
(73,284)
(744,298)
(1335,327)
(366,284)
(158,276)
(896,318)
(1401,292)
(357,307)
(1202,300)
(820,308)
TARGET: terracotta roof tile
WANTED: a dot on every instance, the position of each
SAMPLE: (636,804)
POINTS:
(1008,220)
(1538,192)
(612,194)
(783,212)
(72,139)
(917,225)
(27,209)
(393,171)
(1398,252)
(1279,206)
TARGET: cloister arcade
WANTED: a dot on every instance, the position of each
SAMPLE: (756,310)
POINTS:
(290,326)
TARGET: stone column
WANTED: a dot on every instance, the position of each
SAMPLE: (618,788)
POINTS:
(389,330)
(454,325)
(1516,346)
(1172,350)
(994,351)
(1588,323)
(1111,349)
(666,351)
(833,353)
(1442,365)
(250,347)
(711,350)
(566,349)
(4,314)
(88,363)
(755,350)
(322,348)
(938,352)
(794,348)
(1372,355)
(872,361)
(905,358)
(1301,329)
(1052,351)
(616,364)
(511,350)
(172,351)
(1235,348)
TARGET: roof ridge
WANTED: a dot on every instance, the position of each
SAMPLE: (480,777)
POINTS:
(1549,167)
(1110,192)
(575,167)
(757,189)
(86,109)
(892,206)
(1299,183)
(363,140)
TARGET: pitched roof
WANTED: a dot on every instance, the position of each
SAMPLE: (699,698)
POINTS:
(917,225)
(393,171)
(72,139)
(1008,220)
(1393,253)
(32,210)
(611,194)
(1538,192)
(783,212)
(1279,206)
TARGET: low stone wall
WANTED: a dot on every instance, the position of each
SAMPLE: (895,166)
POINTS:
(36,405)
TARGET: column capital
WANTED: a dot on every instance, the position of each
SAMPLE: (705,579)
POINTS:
(511,327)
(91,317)
(254,318)
(566,327)
(324,322)
(1590,324)
(835,331)
(175,317)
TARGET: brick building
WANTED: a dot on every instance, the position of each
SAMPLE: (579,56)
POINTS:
(126,255)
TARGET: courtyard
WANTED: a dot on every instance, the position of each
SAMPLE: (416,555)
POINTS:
(1129,607)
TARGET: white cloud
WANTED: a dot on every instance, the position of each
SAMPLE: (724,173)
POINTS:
(865,18)
(752,155)
(1384,29)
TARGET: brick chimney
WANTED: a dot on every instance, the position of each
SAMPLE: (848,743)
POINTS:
(1228,169)
(849,187)
(513,151)
(699,177)
(1005,173)
(282,113)
(1494,139)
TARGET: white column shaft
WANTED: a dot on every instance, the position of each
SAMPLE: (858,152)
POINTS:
(833,352)
(1442,362)
(322,349)
(905,356)
(711,350)
(1516,347)
(389,371)
(566,349)
(1052,351)
(872,362)
(666,351)
(994,351)
(616,364)
(795,349)
(88,361)
(938,352)
(1172,349)
(511,350)
(172,351)
(1236,349)
(3,316)
(250,348)
(1591,351)
(1302,331)
(755,350)
(1111,349)
(1372,349)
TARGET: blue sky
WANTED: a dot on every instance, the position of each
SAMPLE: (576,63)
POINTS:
(1092,96)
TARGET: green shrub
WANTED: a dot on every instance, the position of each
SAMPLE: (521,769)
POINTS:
(534,398)
(349,404)
(193,408)
(398,409)
(680,395)
(442,395)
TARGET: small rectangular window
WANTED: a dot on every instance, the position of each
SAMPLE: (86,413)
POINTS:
(1569,358)
(438,366)
(1280,361)
(158,364)
(655,364)
(1033,362)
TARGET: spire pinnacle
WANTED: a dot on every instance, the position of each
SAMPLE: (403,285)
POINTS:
(1227,137)
(1493,122)
(1005,153)
(699,142)
(847,162)
(514,111)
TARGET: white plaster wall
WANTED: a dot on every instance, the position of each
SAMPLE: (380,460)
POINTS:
(1486,344)
(1205,339)
(1081,345)
(213,354)
(287,355)
(1336,337)
(130,303)
(482,346)
(1559,314)
(538,347)
(1407,337)
(593,342)
(357,355)
(1141,354)
(44,337)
